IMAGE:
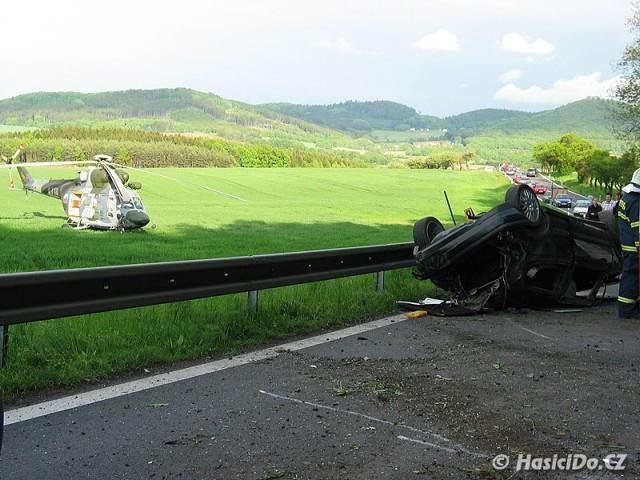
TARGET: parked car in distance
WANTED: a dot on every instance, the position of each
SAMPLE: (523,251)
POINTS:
(524,181)
(532,172)
(581,207)
(517,179)
(562,201)
(538,189)
(511,171)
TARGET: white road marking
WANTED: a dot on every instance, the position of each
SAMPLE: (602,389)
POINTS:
(415,440)
(535,333)
(87,398)
(453,449)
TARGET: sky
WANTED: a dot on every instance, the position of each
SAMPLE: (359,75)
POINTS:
(441,57)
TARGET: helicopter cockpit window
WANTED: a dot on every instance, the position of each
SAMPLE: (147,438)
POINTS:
(137,203)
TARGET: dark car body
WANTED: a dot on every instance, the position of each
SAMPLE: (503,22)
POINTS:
(562,201)
(532,172)
(514,256)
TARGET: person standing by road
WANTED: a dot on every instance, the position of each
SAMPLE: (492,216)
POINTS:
(593,210)
(617,205)
(608,203)
(628,223)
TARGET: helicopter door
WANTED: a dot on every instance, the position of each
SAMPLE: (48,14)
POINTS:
(106,207)
(109,211)
(74,205)
(88,206)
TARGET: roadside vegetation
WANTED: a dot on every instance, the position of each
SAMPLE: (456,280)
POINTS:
(585,167)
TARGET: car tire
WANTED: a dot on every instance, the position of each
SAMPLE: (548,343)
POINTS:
(425,230)
(523,199)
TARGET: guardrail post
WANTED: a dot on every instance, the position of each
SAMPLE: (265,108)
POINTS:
(252,300)
(380,281)
(4,344)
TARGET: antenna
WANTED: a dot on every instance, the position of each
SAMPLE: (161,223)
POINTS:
(450,211)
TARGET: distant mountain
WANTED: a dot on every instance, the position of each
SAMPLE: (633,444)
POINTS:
(354,125)
(171,110)
(479,119)
(359,117)
(590,117)
(586,116)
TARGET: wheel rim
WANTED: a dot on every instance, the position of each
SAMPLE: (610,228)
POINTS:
(529,205)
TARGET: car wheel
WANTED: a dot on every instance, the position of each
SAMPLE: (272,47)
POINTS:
(522,198)
(425,230)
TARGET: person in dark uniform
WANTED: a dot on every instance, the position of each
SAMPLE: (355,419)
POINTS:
(594,209)
(616,206)
(628,223)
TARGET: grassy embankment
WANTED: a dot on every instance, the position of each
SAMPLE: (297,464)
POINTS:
(285,210)
(571,182)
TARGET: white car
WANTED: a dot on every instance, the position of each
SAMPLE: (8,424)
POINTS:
(580,210)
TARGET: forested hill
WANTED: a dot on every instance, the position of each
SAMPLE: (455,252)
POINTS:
(358,117)
(168,110)
(590,117)
(484,118)
(185,110)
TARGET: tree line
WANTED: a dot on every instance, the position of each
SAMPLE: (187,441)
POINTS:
(444,160)
(140,148)
(594,166)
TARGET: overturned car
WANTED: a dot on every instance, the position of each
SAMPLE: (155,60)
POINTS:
(518,254)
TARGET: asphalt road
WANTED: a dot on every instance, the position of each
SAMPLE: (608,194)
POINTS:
(427,398)
(546,182)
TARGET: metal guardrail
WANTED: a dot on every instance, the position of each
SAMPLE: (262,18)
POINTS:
(32,296)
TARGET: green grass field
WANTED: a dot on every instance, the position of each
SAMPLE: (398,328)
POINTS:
(15,128)
(284,210)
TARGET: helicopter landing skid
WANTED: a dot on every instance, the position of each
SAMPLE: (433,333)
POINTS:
(76,226)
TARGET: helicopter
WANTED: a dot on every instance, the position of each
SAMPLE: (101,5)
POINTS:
(96,199)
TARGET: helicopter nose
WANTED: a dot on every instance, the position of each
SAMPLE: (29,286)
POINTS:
(138,218)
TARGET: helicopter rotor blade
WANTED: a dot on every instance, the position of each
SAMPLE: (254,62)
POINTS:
(46,164)
(204,187)
(117,183)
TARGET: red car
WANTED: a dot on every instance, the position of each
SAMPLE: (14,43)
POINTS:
(538,189)
(517,179)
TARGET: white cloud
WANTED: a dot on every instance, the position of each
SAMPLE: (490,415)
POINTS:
(440,40)
(517,43)
(561,91)
(340,45)
(510,75)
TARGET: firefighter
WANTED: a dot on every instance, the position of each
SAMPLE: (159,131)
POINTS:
(629,223)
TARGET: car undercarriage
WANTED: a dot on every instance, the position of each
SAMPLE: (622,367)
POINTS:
(519,254)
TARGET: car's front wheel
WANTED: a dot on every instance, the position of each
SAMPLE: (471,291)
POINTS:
(425,230)
(522,198)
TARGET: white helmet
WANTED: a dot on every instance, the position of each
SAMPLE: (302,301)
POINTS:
(636,177)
